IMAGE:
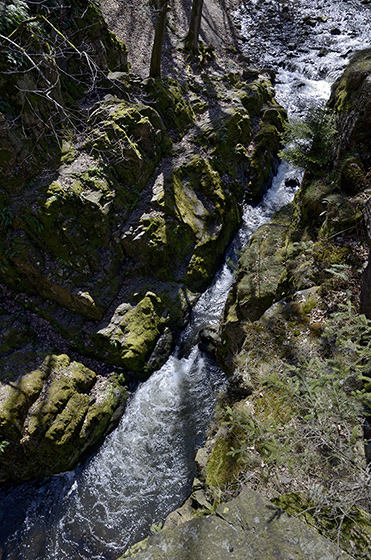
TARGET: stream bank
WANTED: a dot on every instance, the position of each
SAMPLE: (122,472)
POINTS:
(291,423)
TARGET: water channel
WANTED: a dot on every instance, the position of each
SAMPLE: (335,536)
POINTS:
(144,469)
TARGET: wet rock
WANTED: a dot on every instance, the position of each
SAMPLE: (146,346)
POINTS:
(292,182)
(249,72)
(209,338)
(309,20)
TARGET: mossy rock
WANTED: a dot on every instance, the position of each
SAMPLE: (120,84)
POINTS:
(32,122)
(59,224)
(260,268)
(310,204)
(351,99)
(352,178)
(221,468)
(354,532)
(254,95)
(169,98)
(184,236)
(131,139)
(264,160)
(277,336)
(52,413)
(131,335)
(342,213)
(247,527)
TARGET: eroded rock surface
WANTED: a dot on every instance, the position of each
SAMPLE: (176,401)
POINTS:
(248,527)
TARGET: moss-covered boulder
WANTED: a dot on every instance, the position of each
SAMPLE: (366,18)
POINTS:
(132,333)
(356,534)
(351,99)
(52,409)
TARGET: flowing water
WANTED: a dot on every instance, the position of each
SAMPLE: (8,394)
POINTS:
(144,469)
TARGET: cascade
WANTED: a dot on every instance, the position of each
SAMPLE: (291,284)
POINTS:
(144,469)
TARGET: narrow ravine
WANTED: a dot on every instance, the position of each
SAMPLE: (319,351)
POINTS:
(145,467)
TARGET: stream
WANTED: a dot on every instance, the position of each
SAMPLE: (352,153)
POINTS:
(144,469)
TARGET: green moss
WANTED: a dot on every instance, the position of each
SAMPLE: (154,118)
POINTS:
(221,467)
(169,99)
(266,145)
(254,95)
(132,334)
(261,267)
(18,395)
(349,84)
(49,416)
(131,139)
(342,213)
(311,201)
(352,178)
(141,327)
(103,410)
(354,532)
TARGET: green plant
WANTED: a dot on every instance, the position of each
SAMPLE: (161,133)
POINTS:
(309,141)
(12,13)
(35,224)
(3,445)
(339,270)
(156,528)
(6,217)
(305,419)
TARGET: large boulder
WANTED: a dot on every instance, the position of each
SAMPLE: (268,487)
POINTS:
(246,528)
(53,409)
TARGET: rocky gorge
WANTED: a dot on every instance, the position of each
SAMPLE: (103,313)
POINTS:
(146,183)
(110,236)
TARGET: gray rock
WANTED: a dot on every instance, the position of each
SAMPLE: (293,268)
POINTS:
(247,528)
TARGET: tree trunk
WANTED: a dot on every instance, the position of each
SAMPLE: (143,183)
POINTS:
(155,68)
(191,41)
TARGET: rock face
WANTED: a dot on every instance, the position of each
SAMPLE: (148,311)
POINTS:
(300,249)
(52,409)
(247,528)
(118,199)
(351,98)
(291,317)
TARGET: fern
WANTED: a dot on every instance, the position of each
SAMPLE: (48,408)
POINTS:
(309,141)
